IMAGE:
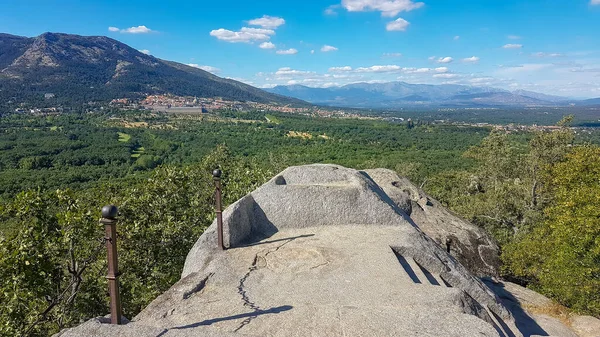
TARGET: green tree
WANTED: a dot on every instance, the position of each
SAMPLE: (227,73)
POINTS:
(40,266)
(561,255)
(545,150)
(54,257)
(506,191)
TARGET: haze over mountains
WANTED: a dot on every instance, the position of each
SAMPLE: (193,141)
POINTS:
(87,68)
(402,94)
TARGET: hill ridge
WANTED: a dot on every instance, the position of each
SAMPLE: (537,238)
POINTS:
(397,94)
(80,68)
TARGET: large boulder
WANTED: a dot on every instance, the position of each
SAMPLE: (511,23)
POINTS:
(469,244)
(330,195)
(319,250)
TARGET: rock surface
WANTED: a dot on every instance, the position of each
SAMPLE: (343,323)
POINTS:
(532,313)
(320,250)
(586,326)
(470,244)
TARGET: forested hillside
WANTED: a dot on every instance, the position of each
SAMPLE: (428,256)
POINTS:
(79,150)
(79,69)
(535,192)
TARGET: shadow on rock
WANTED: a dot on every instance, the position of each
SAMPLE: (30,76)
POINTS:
(526,325)
(275,310)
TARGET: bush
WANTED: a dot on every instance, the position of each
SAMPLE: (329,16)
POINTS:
(561,255)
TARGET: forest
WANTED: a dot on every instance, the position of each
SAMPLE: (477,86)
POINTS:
(537,193)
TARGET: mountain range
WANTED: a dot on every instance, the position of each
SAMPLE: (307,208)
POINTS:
(402,94)
(96,68)
(79,69)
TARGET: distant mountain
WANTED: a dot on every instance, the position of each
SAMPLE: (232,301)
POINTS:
(542,97)
(402,94)
(87,68)
(593,101)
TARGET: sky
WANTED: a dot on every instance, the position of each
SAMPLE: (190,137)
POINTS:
(547,46)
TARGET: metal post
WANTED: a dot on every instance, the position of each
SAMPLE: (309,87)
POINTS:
(109,220)
(448,245)
(218,208)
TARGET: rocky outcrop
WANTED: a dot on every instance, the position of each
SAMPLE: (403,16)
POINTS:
(330,195)
(320,250)
(469,244)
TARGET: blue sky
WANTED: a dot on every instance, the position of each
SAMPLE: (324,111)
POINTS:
(549,46)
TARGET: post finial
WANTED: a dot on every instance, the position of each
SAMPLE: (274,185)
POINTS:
(110,212)
(216,173)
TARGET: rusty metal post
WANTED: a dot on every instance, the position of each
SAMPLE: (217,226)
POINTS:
(109,220)
(218,208)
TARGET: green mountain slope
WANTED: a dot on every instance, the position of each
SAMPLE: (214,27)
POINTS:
(96,68)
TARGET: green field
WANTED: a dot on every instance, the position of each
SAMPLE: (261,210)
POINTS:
(123,137)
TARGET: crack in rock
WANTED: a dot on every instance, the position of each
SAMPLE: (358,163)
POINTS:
(319,265)
(197,288)
(242,291)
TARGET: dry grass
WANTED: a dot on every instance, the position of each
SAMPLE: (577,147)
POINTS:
(303,135)
(163,127)
(130,125)
(560,312)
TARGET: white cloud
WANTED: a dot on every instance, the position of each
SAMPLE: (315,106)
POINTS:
(415,70)
(472,59)
(541,54)
(286,71)
(446,59)
(145,51)
(431,58)
(513,37)
(529,67)
(445,76)
(331,10)
(441,69)
(210,69)
(585,70)
(378,69)
(392,54)
(456,38)
(512,46)
(257,31)
(270,22)
(388,8)
(244,35)
(340,69)
(137,30)
(595,2)
(481,80)
(267,45)
(327,48)
(290,51)
(397,25)
(132,30)
(312,51)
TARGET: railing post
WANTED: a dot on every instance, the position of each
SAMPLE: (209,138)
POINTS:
(109,220)
(218,208)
